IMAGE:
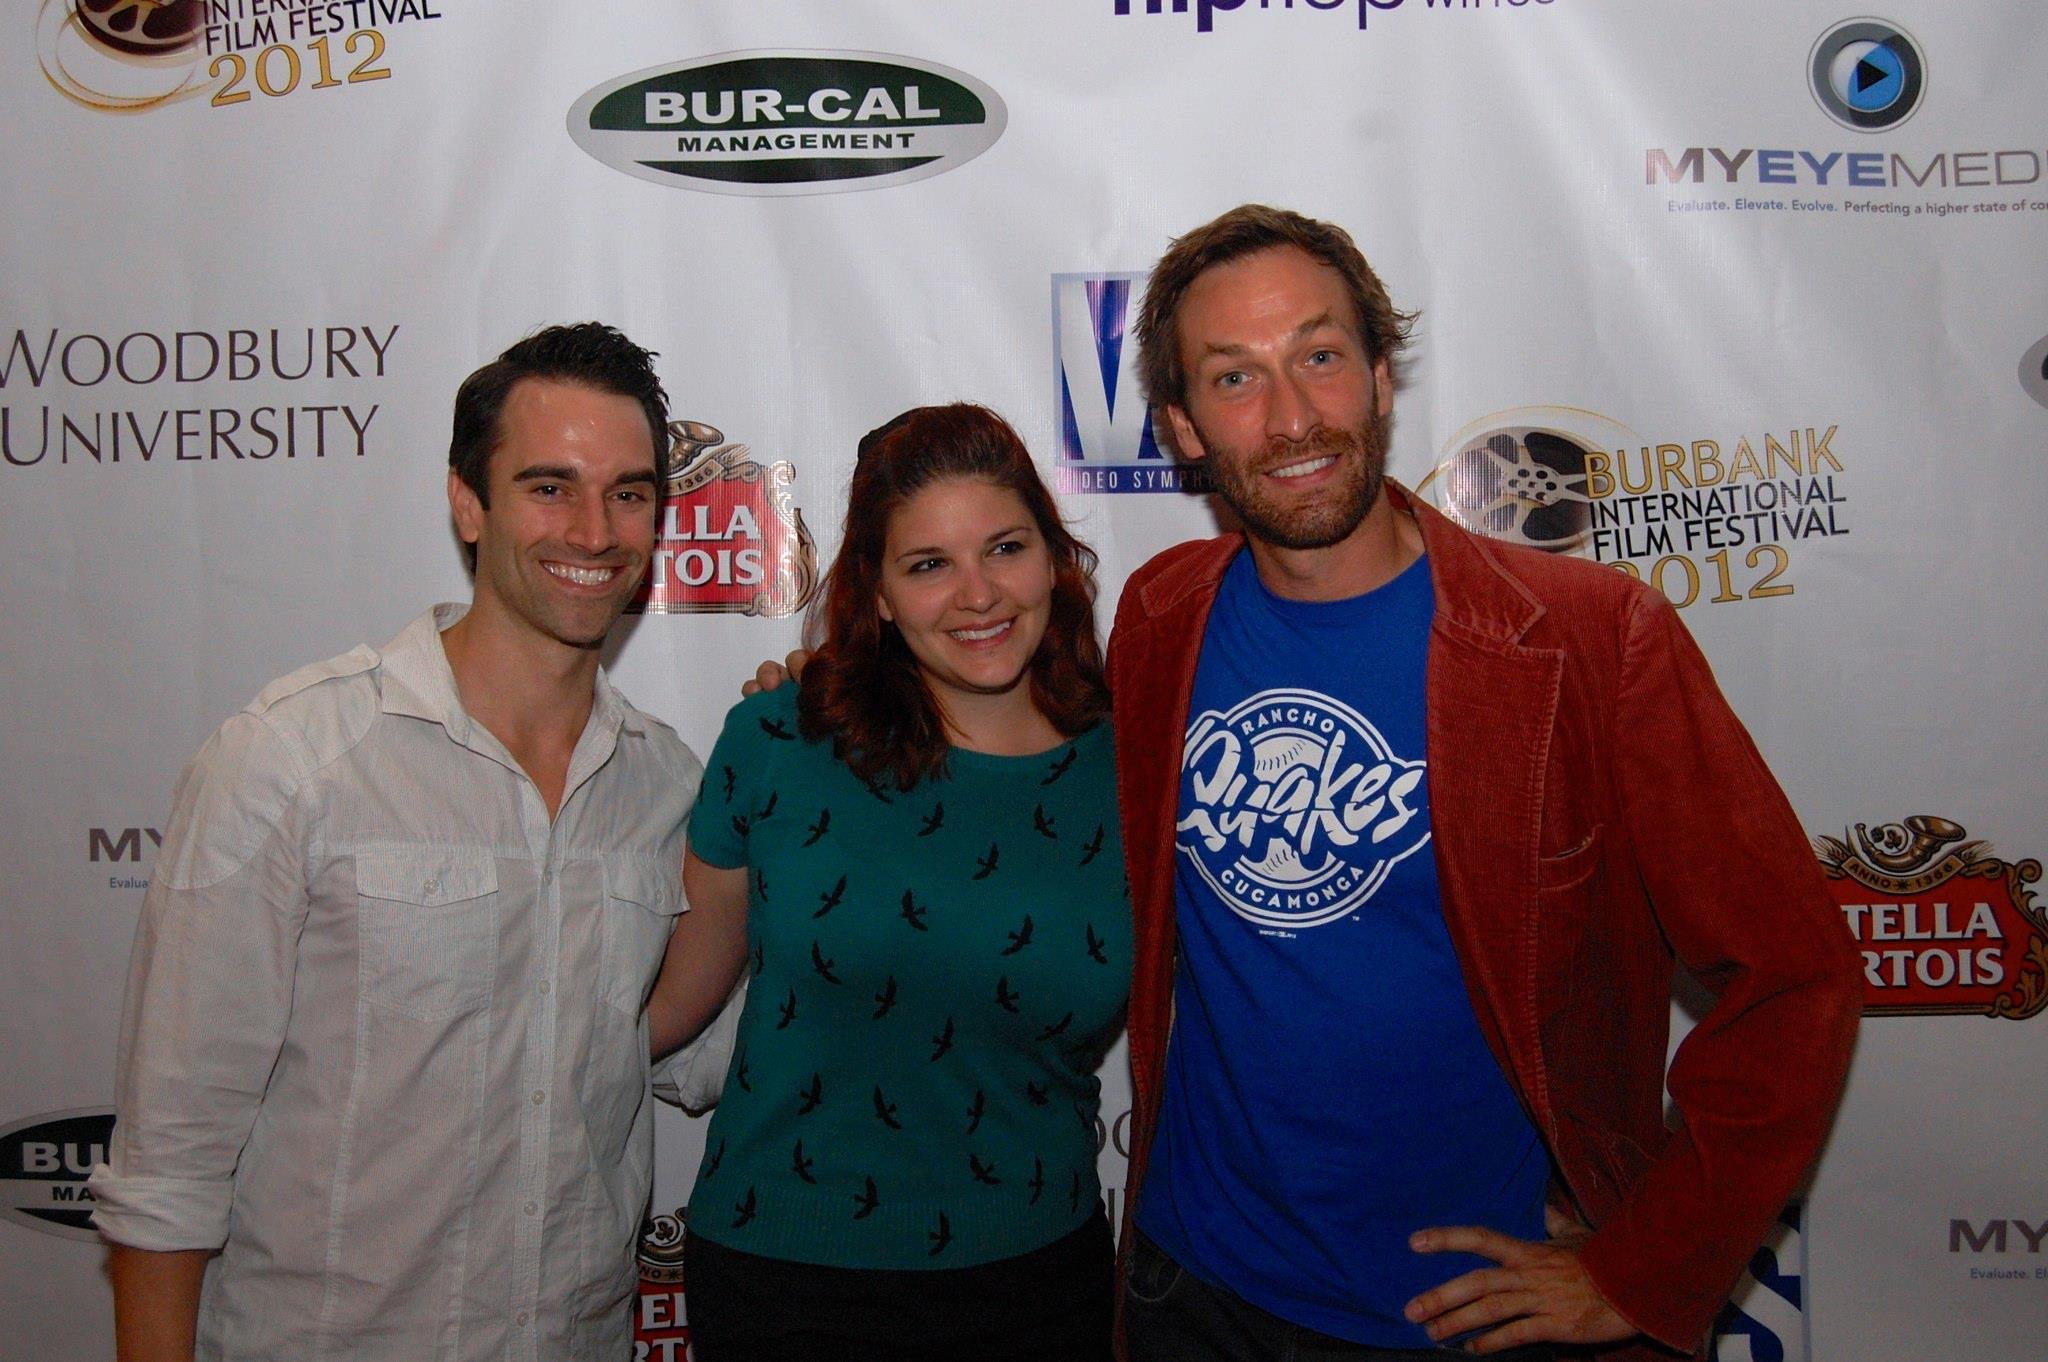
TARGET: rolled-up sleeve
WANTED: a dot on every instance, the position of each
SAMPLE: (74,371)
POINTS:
(209,992)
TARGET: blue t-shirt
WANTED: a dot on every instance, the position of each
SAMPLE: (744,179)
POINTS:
(1328,1091)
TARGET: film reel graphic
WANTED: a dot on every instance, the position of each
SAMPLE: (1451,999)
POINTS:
(121,56)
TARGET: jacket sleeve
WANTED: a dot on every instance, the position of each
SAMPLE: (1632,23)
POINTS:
(209,994)
(1737,892)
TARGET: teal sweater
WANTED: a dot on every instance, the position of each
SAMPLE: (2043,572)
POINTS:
(936,975)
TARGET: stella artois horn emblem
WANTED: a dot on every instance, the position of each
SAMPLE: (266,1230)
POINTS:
(1943,925)
(730,538)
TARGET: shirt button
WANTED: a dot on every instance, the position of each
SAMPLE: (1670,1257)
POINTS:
(539,1097)
(521,1319)
(532,1206)
(546,986)
(431,886)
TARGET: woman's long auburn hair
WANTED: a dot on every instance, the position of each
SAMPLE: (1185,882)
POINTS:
(863,688)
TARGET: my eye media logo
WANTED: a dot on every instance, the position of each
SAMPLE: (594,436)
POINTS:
(131,56)
(1870,76)
(2034,371)
(794,122)
(1205,11)
(1867,74)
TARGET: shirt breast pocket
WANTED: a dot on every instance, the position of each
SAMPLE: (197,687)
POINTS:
(427,922)
(641,899)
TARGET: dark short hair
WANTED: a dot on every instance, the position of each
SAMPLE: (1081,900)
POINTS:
(1243,231)
(587,353)
(863,688)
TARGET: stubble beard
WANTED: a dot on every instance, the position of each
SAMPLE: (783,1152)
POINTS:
(1321,521)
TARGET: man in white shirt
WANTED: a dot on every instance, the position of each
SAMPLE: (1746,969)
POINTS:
(383,1087)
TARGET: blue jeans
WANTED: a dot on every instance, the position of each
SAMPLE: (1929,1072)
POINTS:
(1170,1315)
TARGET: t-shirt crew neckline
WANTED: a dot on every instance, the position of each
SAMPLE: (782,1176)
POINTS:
(1343,610)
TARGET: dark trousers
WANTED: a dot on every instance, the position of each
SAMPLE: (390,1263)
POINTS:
(1170,1315)
(1050,1304)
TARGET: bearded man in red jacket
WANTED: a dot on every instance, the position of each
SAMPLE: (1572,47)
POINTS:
(1418,827)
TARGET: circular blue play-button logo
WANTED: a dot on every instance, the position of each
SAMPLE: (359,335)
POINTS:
(1868,74)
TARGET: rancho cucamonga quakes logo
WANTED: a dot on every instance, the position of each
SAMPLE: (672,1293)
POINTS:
(1294,808)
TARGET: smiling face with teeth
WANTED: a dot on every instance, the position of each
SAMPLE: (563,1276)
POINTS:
(566,537)
(1283,401)
(967,580)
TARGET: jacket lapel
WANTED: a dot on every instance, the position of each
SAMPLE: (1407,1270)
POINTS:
(1492,705)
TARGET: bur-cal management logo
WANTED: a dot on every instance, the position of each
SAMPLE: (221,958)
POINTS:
(776,123)
(44,1162)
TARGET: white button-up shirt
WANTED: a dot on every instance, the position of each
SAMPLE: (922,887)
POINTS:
(384,1042)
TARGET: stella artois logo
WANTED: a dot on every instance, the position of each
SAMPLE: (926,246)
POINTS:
(1945,927)
(730,539)
(661,1325)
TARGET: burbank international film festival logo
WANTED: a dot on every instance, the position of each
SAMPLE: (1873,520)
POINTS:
(1945,927)
(730,538)
(130,56)
(1298,810)
(44,1162)
(789,122)
(1710,519)
(661,1319)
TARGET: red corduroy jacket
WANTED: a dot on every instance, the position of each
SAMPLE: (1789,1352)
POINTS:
(1597,812)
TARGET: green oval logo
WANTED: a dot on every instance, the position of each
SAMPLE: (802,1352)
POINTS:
(774,123)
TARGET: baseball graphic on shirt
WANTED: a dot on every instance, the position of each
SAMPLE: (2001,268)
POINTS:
(1294,810)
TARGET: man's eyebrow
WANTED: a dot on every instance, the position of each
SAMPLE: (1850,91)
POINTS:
(1306,329)
(546,472)
(561,472)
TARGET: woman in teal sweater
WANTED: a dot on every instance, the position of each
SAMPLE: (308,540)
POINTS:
(915,855)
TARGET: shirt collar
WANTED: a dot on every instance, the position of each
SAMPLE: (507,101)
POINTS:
(419,684)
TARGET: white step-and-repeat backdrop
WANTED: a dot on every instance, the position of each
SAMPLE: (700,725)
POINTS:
(1749,299)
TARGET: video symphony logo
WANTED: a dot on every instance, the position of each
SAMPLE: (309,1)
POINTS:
(730,539)
(1107,440)
(1867,74)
